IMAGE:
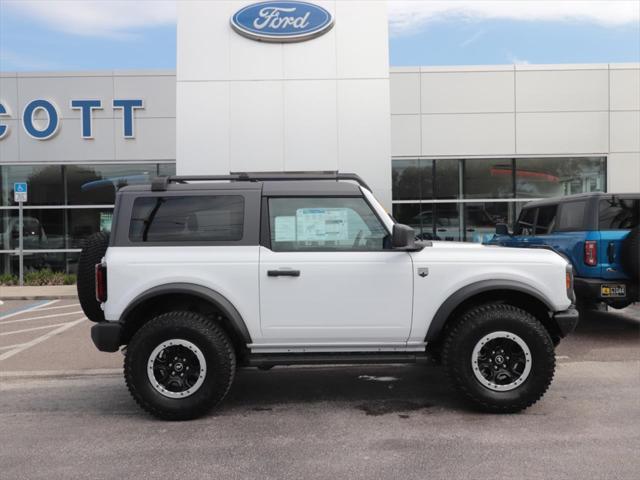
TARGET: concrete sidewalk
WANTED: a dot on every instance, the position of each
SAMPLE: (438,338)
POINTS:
(38,293)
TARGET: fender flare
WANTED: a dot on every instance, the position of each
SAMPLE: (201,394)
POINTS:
(220,301)
(468,291)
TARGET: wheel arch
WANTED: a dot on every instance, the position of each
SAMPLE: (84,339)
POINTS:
(507,291)
(184,296)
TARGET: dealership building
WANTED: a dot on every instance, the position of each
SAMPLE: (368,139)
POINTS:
(450,151)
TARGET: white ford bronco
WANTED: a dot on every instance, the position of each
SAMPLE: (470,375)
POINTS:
(202,275)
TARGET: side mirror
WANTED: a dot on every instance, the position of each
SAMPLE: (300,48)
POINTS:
(403,237)
(502,229)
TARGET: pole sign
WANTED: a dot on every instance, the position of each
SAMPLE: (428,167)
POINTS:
(20,192)
(282,21)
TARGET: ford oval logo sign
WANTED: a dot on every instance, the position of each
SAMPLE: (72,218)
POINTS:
(282,21)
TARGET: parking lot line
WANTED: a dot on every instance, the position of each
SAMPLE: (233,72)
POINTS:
(29,309)
(12,346)
(53,315)
(32,329)
(59,306)
(40,339)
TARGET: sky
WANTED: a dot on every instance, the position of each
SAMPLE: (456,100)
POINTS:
(50,35)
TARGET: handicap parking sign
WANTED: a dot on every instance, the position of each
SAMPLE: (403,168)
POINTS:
(20,192)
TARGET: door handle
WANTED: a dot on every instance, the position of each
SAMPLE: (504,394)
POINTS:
(283,273)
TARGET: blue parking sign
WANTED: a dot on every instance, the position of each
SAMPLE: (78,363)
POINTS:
(20,192)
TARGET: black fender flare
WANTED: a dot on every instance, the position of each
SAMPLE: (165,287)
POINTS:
(220,301)
(458,297)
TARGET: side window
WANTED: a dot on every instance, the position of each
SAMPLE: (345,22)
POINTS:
(546,219)
(186,219)
(572,216)
(619,213)
(526,222)
(325,224)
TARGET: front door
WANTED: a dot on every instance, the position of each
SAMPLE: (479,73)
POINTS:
(330,277)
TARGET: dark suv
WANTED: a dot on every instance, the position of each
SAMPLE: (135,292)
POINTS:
(596,232)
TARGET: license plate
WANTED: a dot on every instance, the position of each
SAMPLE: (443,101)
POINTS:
(610,291)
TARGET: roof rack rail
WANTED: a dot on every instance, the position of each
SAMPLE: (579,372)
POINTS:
(159,184)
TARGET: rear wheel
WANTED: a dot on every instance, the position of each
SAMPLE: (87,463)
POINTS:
(179,365)
(500,357)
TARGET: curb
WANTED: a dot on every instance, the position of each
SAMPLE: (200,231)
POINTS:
(44,374)
(38,297)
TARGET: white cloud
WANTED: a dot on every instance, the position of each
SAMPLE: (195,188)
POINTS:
(408,16)
(102,18)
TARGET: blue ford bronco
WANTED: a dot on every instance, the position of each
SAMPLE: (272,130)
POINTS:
(597,232)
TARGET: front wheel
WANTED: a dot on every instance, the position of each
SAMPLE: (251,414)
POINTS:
(500,357)
(179,365)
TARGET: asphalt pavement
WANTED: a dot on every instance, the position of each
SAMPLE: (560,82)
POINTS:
(65,413)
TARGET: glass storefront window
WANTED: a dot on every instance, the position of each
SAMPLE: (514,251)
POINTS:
(96,184)
(166,169)
(488,178)
(412,179)
(44,181)
(481,218)
(554,177)
(447,179)
(42,229)
(84,222)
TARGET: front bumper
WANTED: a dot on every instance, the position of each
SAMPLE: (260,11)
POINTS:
(566,320)
(106,336)
(590,289)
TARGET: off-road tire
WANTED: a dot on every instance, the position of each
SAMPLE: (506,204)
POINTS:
(93,249)
(203,332)
(466,331)
(631,253)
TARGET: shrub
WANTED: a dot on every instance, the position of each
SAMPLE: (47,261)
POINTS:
(39,278)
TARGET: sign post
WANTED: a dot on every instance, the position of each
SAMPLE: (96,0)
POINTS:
(20,196)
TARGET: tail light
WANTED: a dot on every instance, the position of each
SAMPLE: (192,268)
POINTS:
(591,253)
(101,282)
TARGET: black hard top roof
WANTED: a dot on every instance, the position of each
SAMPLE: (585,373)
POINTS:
(577,197)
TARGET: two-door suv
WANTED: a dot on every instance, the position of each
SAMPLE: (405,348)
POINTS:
(201,275)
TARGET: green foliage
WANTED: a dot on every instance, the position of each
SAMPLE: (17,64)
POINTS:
(39,278)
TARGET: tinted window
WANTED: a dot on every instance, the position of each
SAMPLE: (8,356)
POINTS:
(546,219)
(619,213)
(526,222)
(187,219)
(324,224)
(572,216)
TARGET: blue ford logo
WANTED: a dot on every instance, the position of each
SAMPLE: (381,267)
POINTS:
(282,21)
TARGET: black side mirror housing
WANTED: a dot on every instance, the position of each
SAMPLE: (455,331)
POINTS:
(502,229)
(403,238)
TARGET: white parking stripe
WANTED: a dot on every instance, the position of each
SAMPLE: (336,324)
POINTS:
(40,339)
(32,329)
(12,346)
(35,307)
(40,317)
(59,306)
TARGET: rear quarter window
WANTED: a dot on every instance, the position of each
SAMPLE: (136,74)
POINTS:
(187,219)
(572,216)
(617,213)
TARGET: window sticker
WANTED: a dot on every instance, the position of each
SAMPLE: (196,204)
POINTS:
(322,224)
(285,229)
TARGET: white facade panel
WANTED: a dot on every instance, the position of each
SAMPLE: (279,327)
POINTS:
(256,126)
(362,35)
(245,63)
(625,131)
(405,93)
(203,149)
(468,134)
(405,135)
(467,92)
(562,90)
(200,25)
(9,94)
(9,149)
(562,133)
(364,142)
(310,143)
(625,89)
(623,172)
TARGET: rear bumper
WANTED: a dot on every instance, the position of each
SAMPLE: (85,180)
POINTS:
(589,289)
(106,336)
(566,320)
